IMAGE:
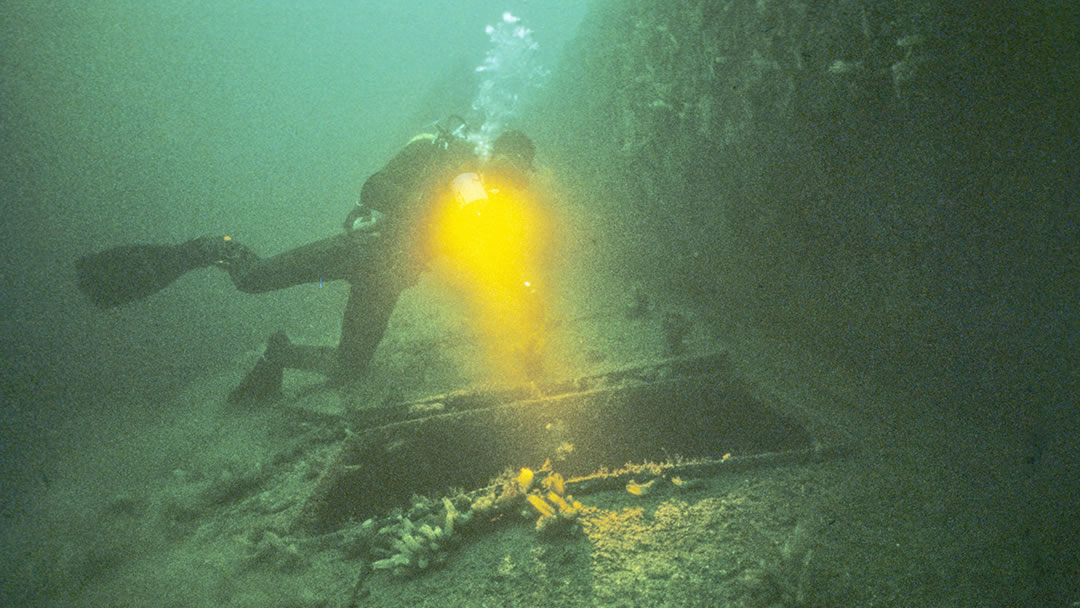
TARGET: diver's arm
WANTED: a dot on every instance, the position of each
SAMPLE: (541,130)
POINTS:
(389,188)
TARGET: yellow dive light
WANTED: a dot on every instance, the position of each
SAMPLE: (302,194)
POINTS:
(468,189)
(491,242)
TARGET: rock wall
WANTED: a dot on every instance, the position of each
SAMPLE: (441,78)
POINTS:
(893,185)
(872,179)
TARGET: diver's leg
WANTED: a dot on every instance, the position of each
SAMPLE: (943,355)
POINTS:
(338,257)
(264,381)
(367,314)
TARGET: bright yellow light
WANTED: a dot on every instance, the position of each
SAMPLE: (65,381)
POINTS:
(492,248)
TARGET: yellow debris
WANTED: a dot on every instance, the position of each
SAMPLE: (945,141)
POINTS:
(542,506)
(639,489)
(559,502)
(525,479)
(564,450)
(686,484)
(555,483)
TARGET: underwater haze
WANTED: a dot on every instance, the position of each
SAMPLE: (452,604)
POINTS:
(806,333)
(158,122)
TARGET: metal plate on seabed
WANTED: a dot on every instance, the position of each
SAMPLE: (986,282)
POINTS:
(685,414)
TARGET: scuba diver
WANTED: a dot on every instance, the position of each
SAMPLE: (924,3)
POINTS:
(385,245)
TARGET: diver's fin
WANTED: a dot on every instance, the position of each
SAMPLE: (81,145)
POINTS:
(131,272)
(263,382)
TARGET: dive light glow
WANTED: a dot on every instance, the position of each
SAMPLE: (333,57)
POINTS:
(492,248)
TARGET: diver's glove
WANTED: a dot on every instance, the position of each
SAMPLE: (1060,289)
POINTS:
(363,219)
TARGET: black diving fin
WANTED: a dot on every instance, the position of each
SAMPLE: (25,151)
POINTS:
(131,272)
